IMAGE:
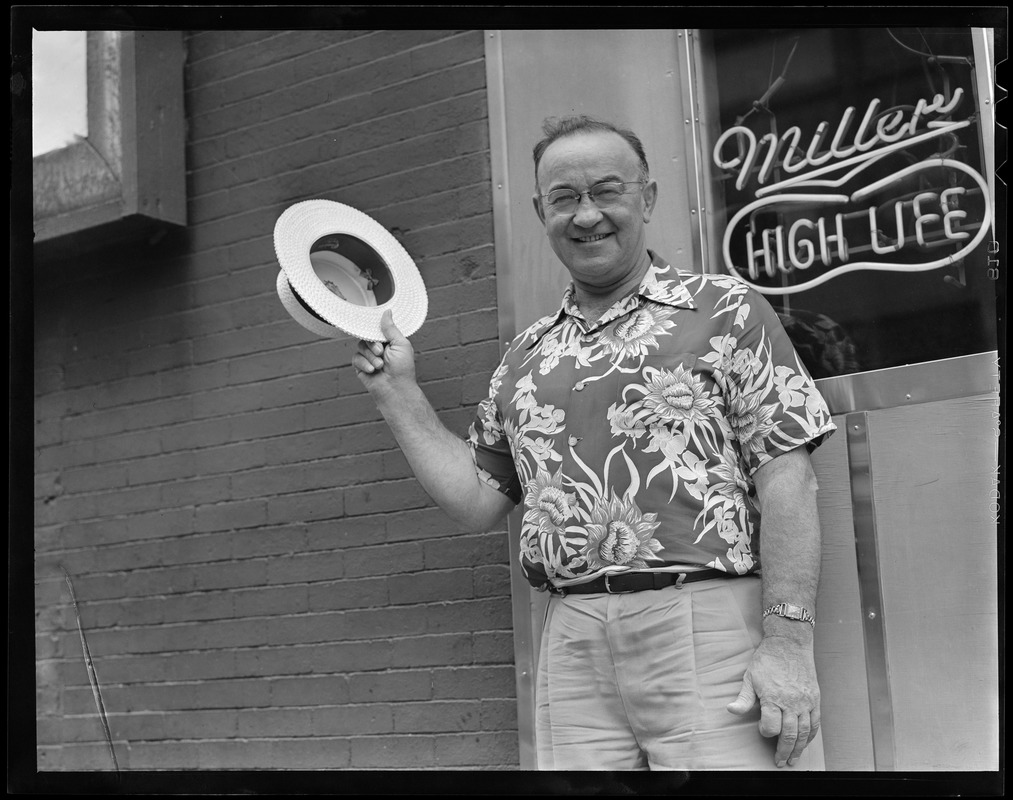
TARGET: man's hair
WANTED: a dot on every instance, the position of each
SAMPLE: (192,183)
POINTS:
(557,127)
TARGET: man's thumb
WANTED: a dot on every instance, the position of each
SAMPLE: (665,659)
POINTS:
(746,699)
(389,329)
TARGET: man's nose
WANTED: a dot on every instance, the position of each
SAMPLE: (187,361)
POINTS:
(587,213)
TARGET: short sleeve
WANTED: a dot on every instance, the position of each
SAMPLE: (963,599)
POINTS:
(490,450)
(773,404)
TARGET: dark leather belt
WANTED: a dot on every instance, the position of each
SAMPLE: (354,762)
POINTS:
(627,582)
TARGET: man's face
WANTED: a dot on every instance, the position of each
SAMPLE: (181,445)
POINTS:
(600,247)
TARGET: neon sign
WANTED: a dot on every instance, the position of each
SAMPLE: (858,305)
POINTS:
(820,225)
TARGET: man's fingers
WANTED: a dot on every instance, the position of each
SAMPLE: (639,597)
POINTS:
(770,720)
(787,740)
(369,358)
(814,723)
(802,738)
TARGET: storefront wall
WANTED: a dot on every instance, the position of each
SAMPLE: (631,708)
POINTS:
(260,582)
(881,269)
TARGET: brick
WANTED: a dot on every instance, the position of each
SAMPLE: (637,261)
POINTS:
(230,515)
(471,615)
(498,715)
(439,650)
(375,752)
(317,753)
(386,559)
(475,750)
(197,491)
(496,647)
(387,496)
(366,593)
(232,755)
(436,717)
(306,506)
(474,550)
(309,690)
(384,623)
(303,567)
(465,682)
(262,601)
(492,581)
(353,720)
(397,685)
(420,587)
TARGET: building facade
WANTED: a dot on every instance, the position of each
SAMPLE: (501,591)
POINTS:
(234,568)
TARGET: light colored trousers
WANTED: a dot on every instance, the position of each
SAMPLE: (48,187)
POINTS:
(641,681)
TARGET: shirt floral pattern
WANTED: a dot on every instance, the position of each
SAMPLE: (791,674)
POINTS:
(632,442)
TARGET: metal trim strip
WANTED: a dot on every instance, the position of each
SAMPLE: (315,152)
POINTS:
(520,592)
(870,590)
(927,382)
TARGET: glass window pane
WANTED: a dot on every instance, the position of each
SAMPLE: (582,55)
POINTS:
(847,164)
(59,89)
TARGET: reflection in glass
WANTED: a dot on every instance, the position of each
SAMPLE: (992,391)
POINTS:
(59,89)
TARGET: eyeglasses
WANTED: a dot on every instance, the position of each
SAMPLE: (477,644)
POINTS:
(603,195)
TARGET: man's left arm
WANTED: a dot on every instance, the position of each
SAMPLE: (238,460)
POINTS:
(782,672)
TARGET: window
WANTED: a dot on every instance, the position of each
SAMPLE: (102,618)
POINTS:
(126,174)
(848,177)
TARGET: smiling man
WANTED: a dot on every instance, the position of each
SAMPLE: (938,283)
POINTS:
(657,430)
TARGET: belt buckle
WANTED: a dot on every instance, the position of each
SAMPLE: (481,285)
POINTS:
(610,590)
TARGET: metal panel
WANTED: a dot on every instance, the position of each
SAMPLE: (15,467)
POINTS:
(935,485)
(867,549)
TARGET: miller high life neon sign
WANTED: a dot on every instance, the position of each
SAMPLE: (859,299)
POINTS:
(827,221)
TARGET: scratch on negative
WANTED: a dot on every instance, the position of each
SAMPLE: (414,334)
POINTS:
(92,676)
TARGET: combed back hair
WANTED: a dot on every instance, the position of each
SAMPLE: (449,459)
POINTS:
(557,127)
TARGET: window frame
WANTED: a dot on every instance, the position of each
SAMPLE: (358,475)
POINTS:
(128,176)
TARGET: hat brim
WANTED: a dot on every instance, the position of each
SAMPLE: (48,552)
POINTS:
(302,313)
(318,287)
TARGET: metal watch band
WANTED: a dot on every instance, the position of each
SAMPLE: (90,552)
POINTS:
(788,611)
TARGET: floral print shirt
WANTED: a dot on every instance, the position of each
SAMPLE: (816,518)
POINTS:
(632,441)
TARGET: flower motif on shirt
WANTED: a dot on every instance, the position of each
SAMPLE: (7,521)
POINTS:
(620,534)
(675,396)
(636,334)
(745,364)
(554,347)
(491,430)
(624,422)
(751,421)
(540,450)
(548,505)
(722,350)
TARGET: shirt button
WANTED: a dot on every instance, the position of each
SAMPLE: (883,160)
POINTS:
(579,387)
(573,440)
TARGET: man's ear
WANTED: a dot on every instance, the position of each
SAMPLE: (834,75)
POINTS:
(650,196)
(537,201)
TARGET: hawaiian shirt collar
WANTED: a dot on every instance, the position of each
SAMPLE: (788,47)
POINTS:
(661,284)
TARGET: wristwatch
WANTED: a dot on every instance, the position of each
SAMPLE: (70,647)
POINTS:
(788,611)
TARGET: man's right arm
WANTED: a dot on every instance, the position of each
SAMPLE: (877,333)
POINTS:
(441,461)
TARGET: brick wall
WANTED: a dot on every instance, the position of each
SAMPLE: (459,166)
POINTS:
(260,581)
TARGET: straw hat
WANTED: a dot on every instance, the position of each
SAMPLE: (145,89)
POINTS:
(341,269)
